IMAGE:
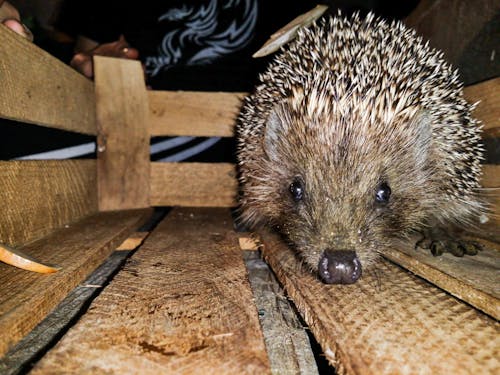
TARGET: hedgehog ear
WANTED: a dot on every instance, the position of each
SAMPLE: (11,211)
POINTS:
(274,131)
(421,124)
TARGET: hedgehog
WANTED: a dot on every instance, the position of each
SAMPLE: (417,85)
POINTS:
(358,135)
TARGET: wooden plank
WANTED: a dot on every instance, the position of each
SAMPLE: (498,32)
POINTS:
(488,109)
(38,88)
(39,196)
(26,352)
(26,297)
(389,322)
(193,184)
(473,279)
(123,140)
(491,182)
(193,113)
(181,305)
(287,344)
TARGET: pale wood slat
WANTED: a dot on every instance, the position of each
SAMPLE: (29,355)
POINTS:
(123,140)
(181,305)
(193,113)
(26,297)
(389,322)
(193,184)
(38,88)
(473,279)
(39,196)
(488,110)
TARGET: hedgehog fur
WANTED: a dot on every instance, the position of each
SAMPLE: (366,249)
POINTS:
(353,104)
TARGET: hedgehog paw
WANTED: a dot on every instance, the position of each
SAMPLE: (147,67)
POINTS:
(439,241)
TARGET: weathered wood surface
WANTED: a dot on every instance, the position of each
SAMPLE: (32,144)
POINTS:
(193,184)
(38,88)
(26,297)
(287,344)
(193,113)
(32,346)
(123,141)
(389,322)
(39,196)
(488,110)
(181,305)
(473,279)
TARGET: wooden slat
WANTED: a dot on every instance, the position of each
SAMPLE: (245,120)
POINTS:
(491,181)
(26,297)
(287,344)
(194,113)
(193,184)
(32,346)
(123,140)
(389,322)
(39,196)
(473,279)
(38,88)
(488,110)
(181,305)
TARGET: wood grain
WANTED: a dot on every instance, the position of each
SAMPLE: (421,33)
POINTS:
(473,279)
(193,184)
(40,339)
(123,140)
(38,88)
(287,344)
(193,113)
(182,304)
(26,297)
(389,322)
(491,181)
(488,110)
(40,196)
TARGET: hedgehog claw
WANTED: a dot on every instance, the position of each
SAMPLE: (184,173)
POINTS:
(440,242)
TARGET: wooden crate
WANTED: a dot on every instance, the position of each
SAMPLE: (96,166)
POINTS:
(186,300)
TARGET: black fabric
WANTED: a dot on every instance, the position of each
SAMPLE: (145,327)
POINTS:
(194,26)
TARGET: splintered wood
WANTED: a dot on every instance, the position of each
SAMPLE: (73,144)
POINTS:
(181,305)
(389,322)
(26,297)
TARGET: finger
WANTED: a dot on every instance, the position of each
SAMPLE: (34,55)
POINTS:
(82,63)
(130,53)
(19,28)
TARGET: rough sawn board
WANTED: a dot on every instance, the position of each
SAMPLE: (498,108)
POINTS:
(389,322)
(181,305)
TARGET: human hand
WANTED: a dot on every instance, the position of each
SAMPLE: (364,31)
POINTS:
(82,61)
(9,16)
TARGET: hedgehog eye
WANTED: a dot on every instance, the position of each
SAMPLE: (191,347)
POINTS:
(383,193)
(296,190)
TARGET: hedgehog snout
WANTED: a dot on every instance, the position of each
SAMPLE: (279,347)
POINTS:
(339,267)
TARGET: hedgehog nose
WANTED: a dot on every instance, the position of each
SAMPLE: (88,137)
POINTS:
(339,267)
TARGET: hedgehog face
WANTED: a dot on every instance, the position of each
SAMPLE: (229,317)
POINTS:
(336,189)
